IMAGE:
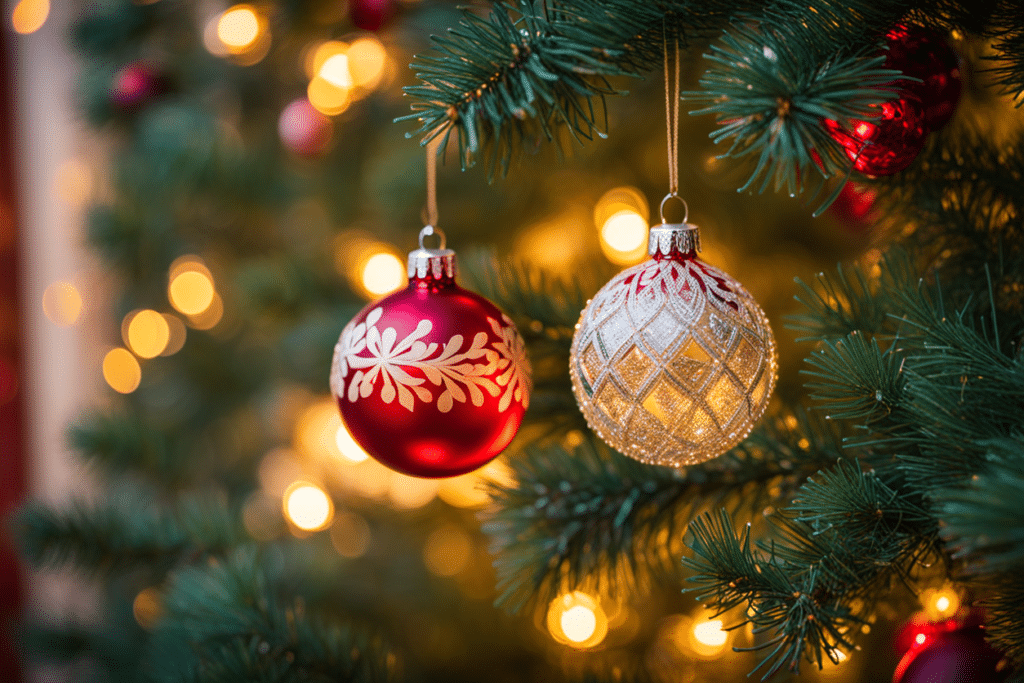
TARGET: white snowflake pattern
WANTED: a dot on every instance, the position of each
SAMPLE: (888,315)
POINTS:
(453,368)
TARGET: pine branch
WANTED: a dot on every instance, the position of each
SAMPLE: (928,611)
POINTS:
(844,537)
(1004,617)
(239,620)
(983,522)
(517,75)
(126,533)
(594,515)
(770,91)
(851,300)
(1009,48)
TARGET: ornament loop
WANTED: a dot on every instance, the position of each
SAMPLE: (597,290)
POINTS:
(686,207)
(429,230)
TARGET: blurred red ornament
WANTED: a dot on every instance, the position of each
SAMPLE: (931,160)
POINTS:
(432,380)
(303,129)
(135,84)
(926,54)
(886,145)
(854,207)
(371,15)
(952,651)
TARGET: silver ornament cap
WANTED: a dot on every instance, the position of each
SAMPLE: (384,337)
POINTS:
(431,263)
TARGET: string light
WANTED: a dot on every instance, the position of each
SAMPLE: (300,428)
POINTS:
(576,619)
(238,28)
(328,98)
(147,333)
(30,15)
(624,238)
(307,506)
(146,607)
(383,273)
(706,638)
(176,335)
(121,371)
(940,603)
(62,303)
(210,316)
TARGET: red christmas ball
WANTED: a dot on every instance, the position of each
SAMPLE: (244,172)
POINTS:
(303,129)
(371,15)
(951,653)
(854,207)
(134,85)
(925,53)
(886,145)
(432,380)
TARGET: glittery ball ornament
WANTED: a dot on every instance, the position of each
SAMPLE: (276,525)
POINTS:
(433,380)
(926,54)
(887,145)
(673,361)
(952,652)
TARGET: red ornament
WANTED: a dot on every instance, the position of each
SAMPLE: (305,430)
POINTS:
(925,53)
(134,85)
(371,15)
(432,380)
(950,652)
(888,144)
(854,207)
(303,129)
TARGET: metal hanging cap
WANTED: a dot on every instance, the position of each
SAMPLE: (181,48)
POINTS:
(437,263)
(666,237)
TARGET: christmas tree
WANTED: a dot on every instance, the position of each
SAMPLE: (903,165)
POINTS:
(265,178)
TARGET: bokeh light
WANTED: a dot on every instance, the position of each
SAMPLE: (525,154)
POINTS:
(176,335)
(315,436)
(191,291)
(328,98)
(410,493)
(576,619)
(624,237)
(307,506)
(350,535)
(278,470)
(30,15)
(238,28)
(210,316)
(121,371)
(469,490)
(707,638)
(624,198)
(146,607)
(383,273)
(335,71)
(347,446)
(940,603)
(448,550)
(62,303)
(367,60)
(147,333)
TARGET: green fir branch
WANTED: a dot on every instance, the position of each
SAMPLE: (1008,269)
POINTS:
(1004,617)
(770,99)
(241,620)
(594,515)
(126,532)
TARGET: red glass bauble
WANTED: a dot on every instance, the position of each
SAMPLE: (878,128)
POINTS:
(925,53)
(949,653)
(433,380)
(303,129)
(134,85)
(886,145)
(371,15)
(854,207)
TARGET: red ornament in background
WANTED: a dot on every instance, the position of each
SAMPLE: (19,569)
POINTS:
(303,129)
(854,207)
(135,85)
(432,380)
(925,53)
(886,145)
(952,651)
(371,15)
(890,143)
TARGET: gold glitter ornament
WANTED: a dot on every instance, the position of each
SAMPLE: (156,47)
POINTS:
(673,361)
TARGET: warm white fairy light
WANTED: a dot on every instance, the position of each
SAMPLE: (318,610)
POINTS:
(307,506)
(576,619)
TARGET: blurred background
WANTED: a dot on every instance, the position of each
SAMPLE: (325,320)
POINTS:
(196,196)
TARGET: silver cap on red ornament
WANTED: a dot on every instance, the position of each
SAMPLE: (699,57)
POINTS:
(432,263)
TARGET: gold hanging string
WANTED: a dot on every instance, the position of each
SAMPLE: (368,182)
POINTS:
(432,148)
(672,123)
